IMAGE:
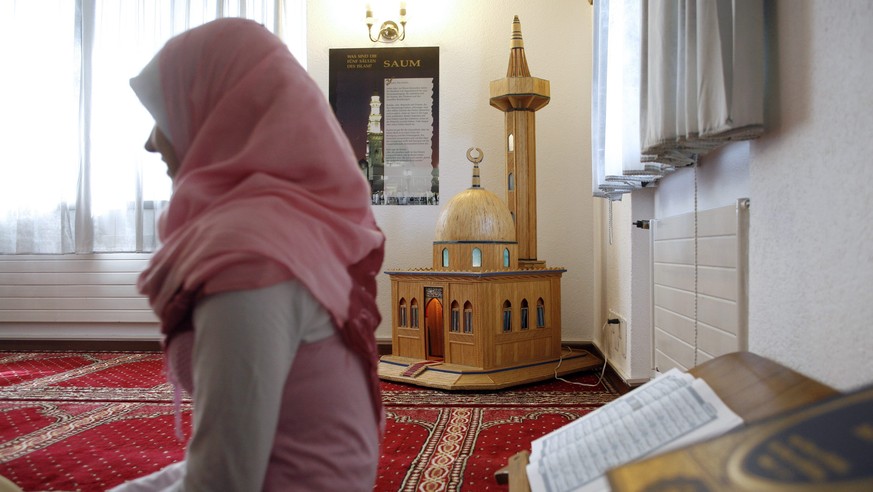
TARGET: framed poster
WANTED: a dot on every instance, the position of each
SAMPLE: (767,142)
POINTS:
(387,101)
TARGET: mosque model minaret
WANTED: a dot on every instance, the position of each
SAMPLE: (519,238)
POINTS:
(487,315)
(519,96)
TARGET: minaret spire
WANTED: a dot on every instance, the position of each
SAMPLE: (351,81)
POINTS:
(519,96)
(517,61)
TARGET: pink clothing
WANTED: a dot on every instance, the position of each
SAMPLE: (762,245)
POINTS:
(325,440)
(282,405)
(268,188)
(268,191)
(338,453)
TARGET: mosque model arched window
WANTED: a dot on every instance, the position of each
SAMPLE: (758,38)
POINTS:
(510,185)
(477,258)
(413,313)
(456,317)
(524,310)
(541,313)
(445,257)
(507,316)
(401,314)
(468,317)
(506,257)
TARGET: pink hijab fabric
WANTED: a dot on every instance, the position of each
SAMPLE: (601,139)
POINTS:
(268,188)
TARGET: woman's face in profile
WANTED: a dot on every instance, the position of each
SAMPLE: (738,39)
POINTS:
(158,142)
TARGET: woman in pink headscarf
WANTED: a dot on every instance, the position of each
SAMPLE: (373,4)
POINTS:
(265,282)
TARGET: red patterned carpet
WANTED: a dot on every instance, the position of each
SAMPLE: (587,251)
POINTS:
(89,421)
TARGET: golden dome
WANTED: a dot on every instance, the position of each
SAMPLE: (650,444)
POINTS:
(475,214)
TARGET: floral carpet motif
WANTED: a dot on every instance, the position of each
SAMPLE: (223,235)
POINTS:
(91,420)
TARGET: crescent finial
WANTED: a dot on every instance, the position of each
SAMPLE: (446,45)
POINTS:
(478,158)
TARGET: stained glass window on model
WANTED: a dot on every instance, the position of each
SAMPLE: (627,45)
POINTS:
(468,317)
(402,313)
(524,310)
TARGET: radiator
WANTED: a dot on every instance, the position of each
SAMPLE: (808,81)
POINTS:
(700,285)
(74,297)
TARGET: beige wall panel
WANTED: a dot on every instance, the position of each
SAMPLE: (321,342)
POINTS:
(713,292)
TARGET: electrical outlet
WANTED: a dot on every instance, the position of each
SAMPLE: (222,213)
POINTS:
(618,335)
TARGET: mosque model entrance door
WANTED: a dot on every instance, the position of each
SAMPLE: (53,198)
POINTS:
(433,324)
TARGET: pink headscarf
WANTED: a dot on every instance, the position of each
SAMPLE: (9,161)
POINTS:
(268,188)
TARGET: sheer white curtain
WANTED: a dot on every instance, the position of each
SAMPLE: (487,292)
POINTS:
(616,98)
(673,79)
(74,177)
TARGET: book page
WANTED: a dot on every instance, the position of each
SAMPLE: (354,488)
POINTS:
(672,410)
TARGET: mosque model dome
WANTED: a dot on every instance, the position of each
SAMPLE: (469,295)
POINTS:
(475,214)
(475,230)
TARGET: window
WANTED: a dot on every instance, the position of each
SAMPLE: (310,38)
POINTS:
(524,314)
(510,143)
(541,313)
(468,317)
(477,258)
(401,313)
(445,257)
(413,313)
(456,318)
(510,182)
(87,50)
(506,257)
(507,316)
(615,131)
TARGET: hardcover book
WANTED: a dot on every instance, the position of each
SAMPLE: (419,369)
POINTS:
(823,446)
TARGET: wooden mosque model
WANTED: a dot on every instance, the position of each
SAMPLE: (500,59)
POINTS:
(487,315)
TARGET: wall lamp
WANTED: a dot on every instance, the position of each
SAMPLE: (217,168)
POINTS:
(390,31)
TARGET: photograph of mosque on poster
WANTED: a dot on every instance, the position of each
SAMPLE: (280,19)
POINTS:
(387,101)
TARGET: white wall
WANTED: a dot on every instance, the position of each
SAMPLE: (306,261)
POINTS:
(625,286)
(722,177)
(810,241)
(473,37)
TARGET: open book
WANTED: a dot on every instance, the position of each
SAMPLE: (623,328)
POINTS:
(674,409)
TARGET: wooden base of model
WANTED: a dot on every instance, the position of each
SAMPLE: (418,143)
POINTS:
(435,374)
